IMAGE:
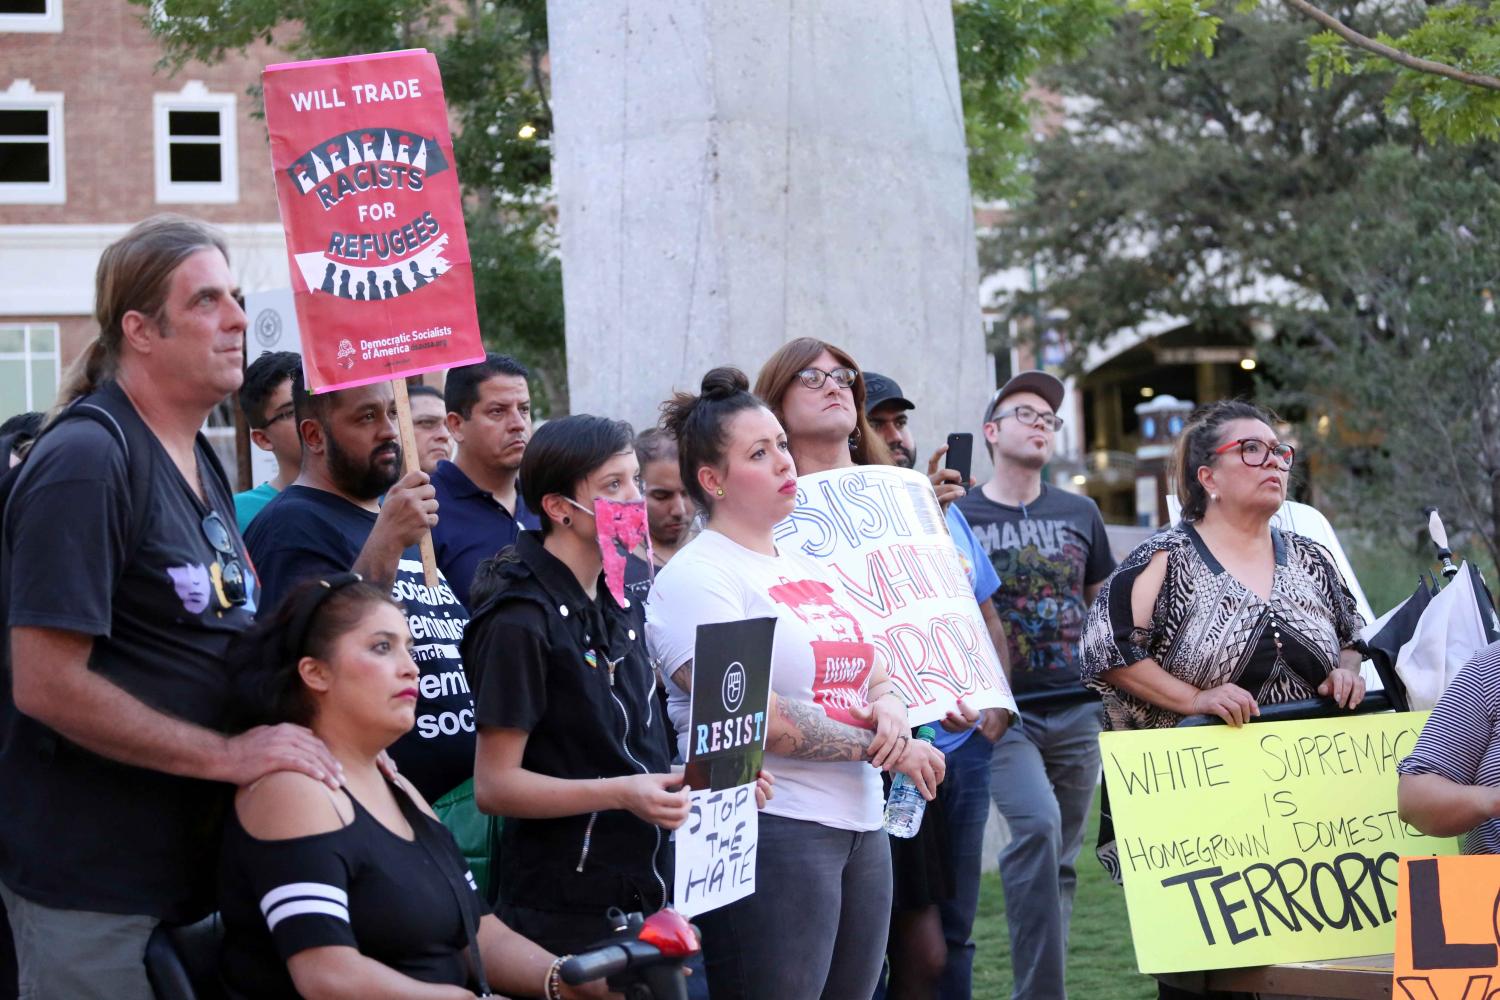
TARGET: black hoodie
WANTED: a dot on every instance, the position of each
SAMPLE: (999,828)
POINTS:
(539,654)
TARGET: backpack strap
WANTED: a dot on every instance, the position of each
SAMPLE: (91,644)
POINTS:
(109,406)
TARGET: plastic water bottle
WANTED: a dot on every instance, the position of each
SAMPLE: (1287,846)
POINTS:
(904,806)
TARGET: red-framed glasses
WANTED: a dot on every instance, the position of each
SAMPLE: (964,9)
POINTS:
(1256,453)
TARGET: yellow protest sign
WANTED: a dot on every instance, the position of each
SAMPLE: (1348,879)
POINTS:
(1448,929)
(1276,842)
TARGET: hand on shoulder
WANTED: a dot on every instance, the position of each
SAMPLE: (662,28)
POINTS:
(288,804)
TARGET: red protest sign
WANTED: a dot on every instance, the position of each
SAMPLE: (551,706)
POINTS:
(373,213)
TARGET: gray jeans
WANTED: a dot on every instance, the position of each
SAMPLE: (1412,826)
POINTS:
(1042,778)
(78,954)
(816,924)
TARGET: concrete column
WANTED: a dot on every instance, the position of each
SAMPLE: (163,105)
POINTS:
(733,175)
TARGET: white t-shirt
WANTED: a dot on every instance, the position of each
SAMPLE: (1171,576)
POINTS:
(819,656)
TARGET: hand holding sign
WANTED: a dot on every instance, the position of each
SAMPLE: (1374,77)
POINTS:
(731,693)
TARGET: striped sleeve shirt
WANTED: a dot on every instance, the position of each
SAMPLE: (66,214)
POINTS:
(1461,740)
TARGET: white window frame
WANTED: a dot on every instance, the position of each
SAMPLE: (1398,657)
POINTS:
(22,96)
(51,20)
(26,356)
(194,96)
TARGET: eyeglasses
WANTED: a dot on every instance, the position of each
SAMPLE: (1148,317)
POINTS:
(1030,416)
(814,378)
(285,414)
(231,571)
(1257,453)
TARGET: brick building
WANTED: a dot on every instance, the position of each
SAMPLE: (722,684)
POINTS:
(95,137)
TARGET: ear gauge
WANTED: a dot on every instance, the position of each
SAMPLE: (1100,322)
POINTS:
(567,520)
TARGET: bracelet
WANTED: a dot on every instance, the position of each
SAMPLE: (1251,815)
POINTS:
(552,985)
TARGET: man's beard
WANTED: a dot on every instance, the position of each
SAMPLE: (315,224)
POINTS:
(363,480)
(903,458)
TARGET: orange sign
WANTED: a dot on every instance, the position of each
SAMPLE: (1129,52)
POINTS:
(1448,929)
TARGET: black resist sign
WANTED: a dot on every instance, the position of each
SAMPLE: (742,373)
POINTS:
(731,691)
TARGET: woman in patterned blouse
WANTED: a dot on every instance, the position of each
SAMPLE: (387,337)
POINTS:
(1223,613)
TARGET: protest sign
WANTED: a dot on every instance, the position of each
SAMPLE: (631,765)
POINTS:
(1274,842)
(731,692)
(879,529)
(1448,929)
(373,213)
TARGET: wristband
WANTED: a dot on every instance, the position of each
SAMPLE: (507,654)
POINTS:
(552,986)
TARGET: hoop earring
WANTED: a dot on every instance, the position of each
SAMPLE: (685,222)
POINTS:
(854,438)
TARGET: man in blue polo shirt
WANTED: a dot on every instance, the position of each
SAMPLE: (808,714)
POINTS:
(489,415)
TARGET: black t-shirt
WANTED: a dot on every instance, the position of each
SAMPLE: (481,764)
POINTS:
(1045,554)
(306,533)
(362,887)
(78,831)
(574,674)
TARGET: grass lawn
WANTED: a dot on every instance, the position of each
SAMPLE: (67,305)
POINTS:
(1101,961)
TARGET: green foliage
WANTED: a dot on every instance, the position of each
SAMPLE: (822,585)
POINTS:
(1001,45)
(491,55)
(1180,29)
(1464,36)
(1416,421)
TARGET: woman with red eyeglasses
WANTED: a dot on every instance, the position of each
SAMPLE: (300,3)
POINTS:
(1223,612)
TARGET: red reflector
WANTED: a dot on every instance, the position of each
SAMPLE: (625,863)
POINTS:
(670,933)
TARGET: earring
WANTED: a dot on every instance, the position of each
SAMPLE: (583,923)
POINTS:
(719,492)
(567,520)
(1214,497)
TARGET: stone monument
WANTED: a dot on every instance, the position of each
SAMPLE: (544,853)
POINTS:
(733,175)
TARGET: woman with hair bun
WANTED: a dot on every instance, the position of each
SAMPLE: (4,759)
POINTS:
(821,844)
(1223,613)
(359,892)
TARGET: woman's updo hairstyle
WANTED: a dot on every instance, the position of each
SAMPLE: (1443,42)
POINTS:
(700,424)
(1195,449)
(268,689)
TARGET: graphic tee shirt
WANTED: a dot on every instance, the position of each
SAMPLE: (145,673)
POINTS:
(79,831)
(252,502)
(1045,554)
(307,533)
(819,656)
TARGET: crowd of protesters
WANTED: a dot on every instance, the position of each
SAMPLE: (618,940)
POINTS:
(257,704)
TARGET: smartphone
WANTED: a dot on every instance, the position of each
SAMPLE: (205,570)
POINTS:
(961,456)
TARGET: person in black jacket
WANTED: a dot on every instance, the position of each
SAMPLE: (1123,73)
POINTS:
(572,747)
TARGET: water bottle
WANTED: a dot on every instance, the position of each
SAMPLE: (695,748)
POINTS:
(905,805)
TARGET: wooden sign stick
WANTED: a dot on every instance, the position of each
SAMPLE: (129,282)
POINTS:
(410,462)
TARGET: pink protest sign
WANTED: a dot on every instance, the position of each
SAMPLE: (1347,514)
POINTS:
(373,212)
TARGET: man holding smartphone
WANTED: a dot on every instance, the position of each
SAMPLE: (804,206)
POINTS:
(966,739)
(1049,548)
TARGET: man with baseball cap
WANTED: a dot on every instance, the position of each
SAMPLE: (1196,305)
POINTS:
(920,962)
(1049,548)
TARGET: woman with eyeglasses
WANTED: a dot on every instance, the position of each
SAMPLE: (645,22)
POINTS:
(1223,613)
(359,891)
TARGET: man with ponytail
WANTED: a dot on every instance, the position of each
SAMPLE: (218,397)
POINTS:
(123,580)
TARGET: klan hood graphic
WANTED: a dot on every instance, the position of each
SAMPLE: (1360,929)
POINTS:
(373,213)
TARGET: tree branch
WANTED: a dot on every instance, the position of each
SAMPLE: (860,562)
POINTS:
(1396,56)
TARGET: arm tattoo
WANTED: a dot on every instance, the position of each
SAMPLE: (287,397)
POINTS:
(808,734)
(683,678)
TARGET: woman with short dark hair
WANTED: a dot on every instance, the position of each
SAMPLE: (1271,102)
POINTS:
(572,748)
(359,892)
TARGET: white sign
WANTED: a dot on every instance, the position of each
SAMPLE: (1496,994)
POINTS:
(272,327)
(716,850)
(879,529)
